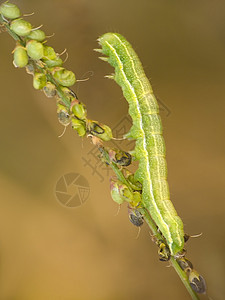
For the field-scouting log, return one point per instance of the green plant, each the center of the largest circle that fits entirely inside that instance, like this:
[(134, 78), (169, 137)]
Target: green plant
[(146, 191)]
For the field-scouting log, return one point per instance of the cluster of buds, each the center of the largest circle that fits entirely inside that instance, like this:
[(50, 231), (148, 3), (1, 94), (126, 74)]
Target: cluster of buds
[(46, 67)]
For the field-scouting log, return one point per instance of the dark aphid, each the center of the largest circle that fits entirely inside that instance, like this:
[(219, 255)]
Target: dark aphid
[(197, 282), (135, 217), (185, 264), (163, 251), (120, 157)]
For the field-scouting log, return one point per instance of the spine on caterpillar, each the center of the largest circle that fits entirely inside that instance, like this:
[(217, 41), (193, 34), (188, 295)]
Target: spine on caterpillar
[(147, 131)]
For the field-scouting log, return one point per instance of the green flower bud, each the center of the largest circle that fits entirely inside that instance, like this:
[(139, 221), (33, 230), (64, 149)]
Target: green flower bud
[(100, 130), (63, 115), (79, 126), (63, 76), (51, 63), (120, 192), (10, 11), (120, 157), (35, 50), (20, 57), (21, 27), (39, 81), (79, 110), (49, 90), (37, 35), (49, 53)]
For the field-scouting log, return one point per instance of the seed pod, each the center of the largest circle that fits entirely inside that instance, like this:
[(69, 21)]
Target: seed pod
[(20, 57), (120, 192), (197, 282), (135, 216), (37, 35), (78, 109), (39, 81), (49, 53), (68, 93), (35, 49), (63, 115), (30, 69), (100, 130), (163, 251), (51, 63), (79, 126), (63, 76), (136, 185), (9, 10), (185, 264), (120, 157), (49, 89), (21, 27)]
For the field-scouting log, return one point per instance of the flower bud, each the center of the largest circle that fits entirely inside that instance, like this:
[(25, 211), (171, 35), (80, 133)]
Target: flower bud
[(39, 81), (100, 130), (35, 49), (37, 35), (49, 89), (20, 57), (63, 76), (9, 10), (78, 109), (63, 115), (21, 27), (79, 126)]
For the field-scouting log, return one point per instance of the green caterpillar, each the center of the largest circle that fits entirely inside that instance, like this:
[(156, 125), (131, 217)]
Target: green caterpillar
[(147, 131)]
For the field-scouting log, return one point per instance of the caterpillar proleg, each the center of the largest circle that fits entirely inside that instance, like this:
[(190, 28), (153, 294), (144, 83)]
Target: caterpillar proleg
[(147, 131)]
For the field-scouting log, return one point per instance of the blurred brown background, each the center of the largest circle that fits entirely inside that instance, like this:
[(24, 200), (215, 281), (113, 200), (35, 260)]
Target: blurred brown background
[(50, 251)]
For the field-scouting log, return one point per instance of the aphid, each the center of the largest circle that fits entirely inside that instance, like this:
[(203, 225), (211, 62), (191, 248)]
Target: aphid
[(20, 57), (147, 131), (39, 81), (21, 27), (63, 76), (35, 50), (63, 115), (135, 216), (120, 157)]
